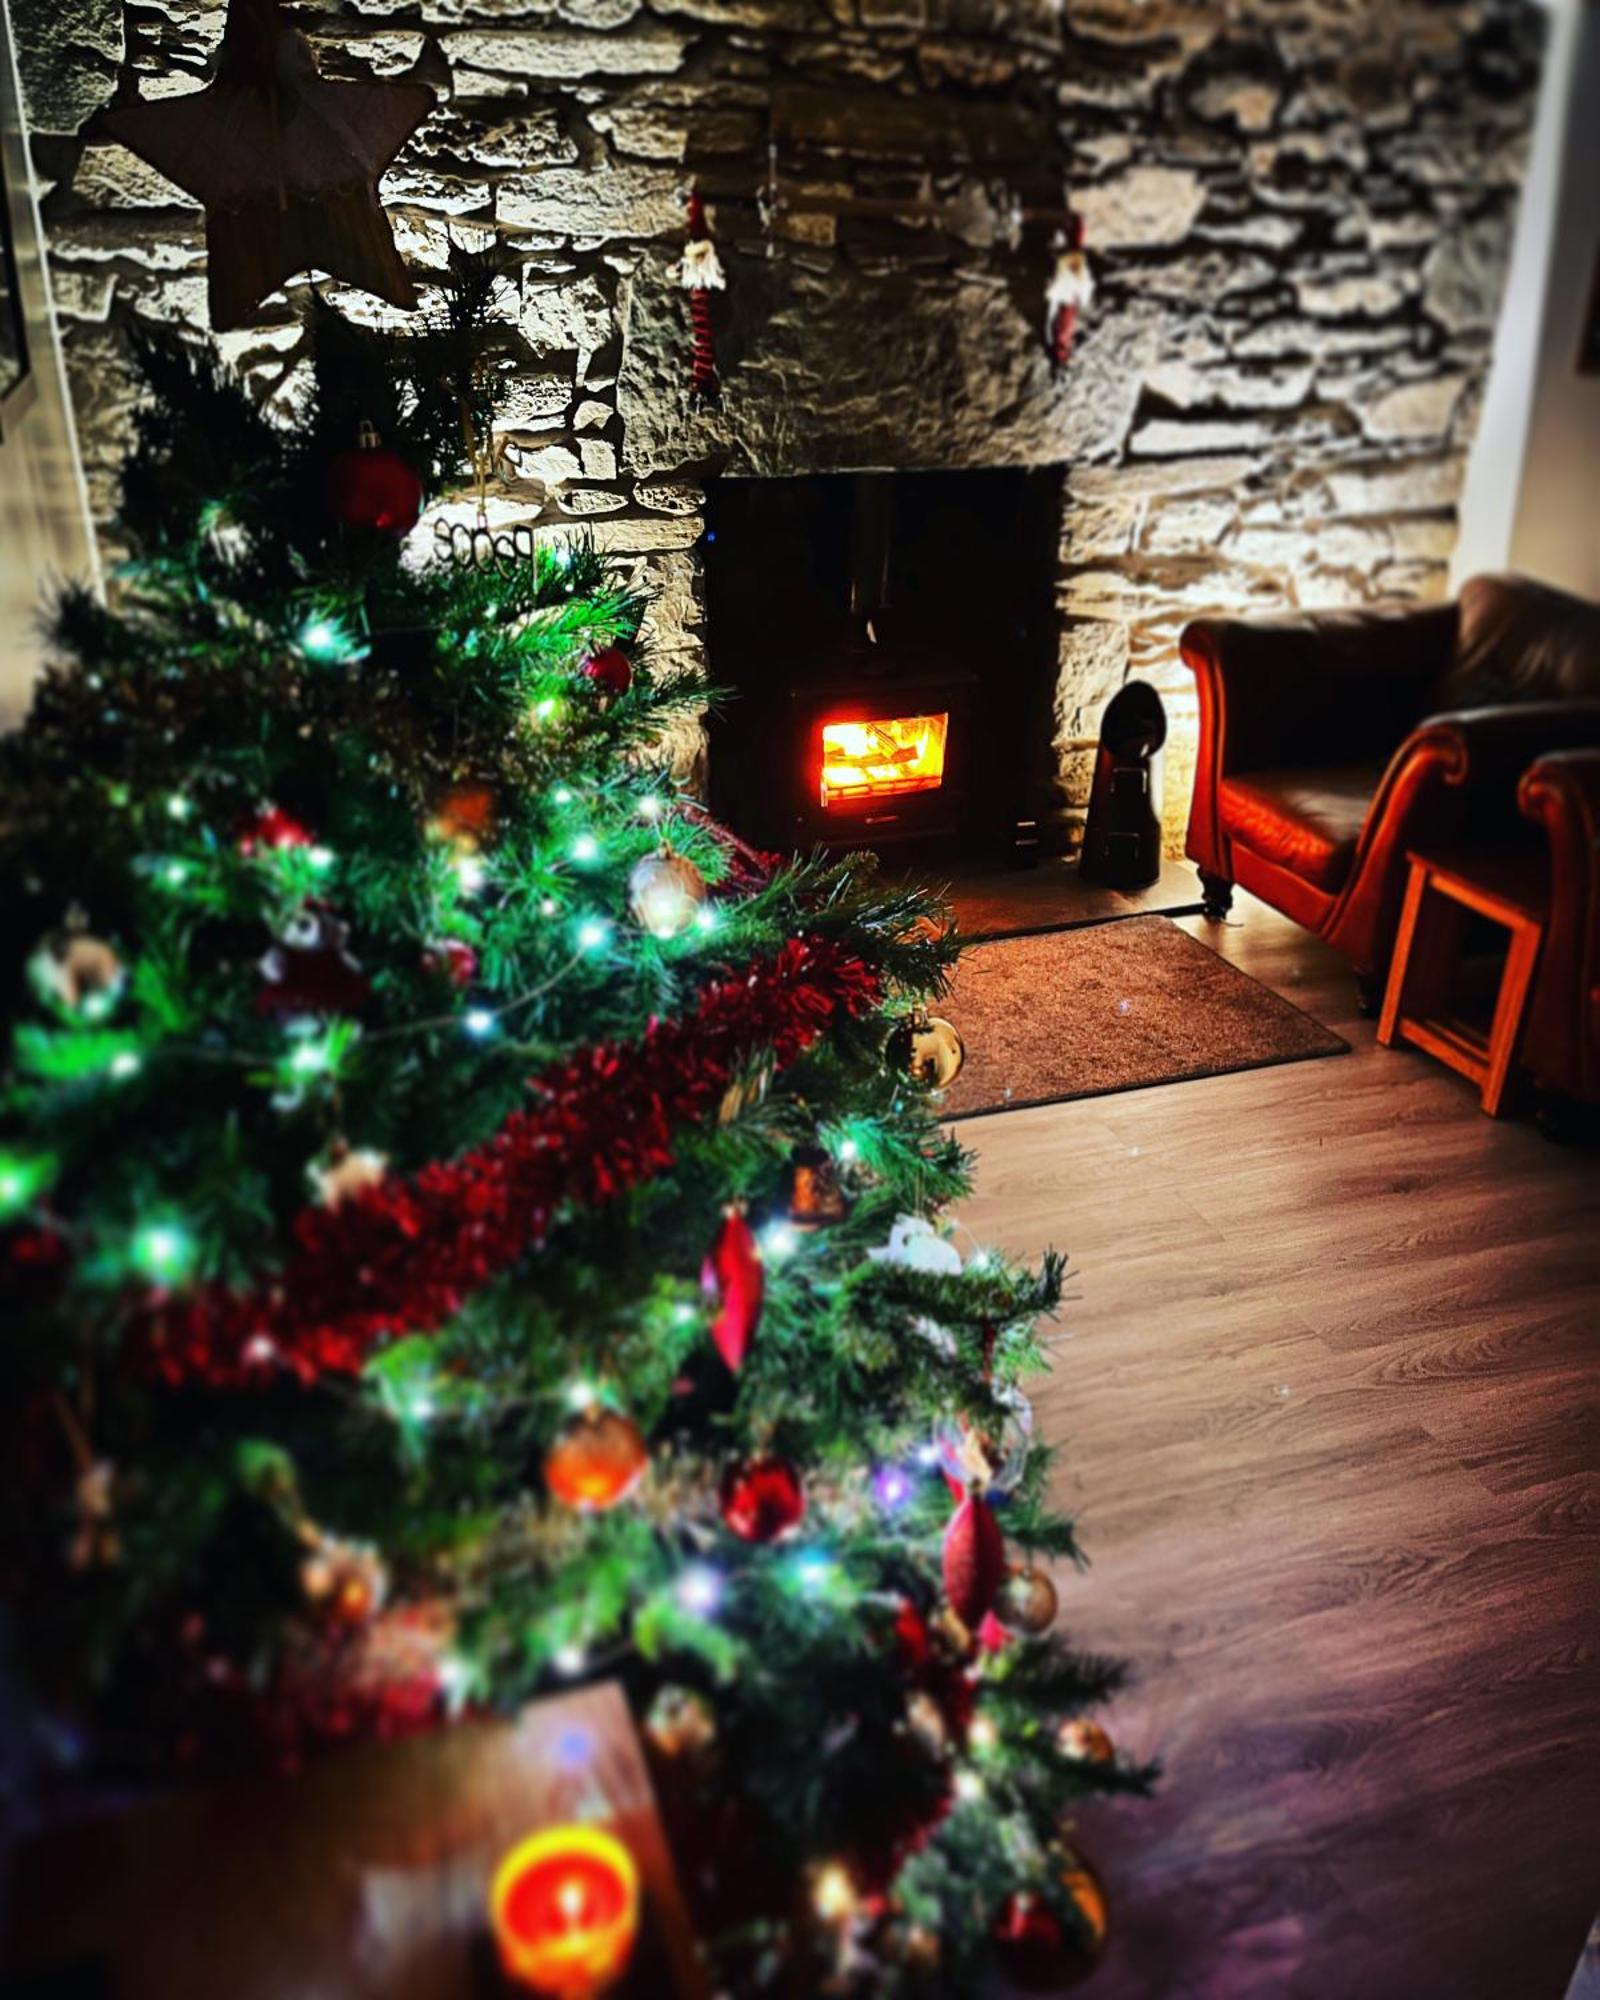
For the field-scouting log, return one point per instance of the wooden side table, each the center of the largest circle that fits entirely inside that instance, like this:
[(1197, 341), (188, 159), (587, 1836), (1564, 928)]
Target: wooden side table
[(1443, 892)]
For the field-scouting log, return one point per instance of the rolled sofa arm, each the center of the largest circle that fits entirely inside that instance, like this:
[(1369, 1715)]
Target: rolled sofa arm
[(1561, 1041), (1485, 751)]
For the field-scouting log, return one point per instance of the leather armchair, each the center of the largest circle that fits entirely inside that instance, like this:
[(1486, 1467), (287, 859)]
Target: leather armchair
[(1561, 1037), (1332, 743)]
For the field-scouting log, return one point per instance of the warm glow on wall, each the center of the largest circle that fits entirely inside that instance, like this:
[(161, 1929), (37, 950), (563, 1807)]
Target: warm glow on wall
[(883, 758)]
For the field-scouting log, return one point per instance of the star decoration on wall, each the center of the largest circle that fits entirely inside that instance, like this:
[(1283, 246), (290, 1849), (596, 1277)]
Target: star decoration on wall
[(285, 163)]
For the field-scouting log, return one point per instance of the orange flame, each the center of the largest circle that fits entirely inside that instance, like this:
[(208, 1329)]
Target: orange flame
[(883, 758)]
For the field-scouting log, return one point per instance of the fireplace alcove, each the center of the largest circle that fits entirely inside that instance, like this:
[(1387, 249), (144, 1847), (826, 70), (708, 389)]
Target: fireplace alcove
[(887, 644)]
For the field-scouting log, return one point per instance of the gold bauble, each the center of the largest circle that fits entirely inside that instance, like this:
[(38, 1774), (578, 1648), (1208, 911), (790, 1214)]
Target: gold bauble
[(665, 893), (598, 1460), (1027, 1601), (930, 1049), (1085, 1741), (80, 973), (681, 1722)]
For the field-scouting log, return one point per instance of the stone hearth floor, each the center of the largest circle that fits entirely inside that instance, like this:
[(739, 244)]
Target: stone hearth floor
[(1001, 902)]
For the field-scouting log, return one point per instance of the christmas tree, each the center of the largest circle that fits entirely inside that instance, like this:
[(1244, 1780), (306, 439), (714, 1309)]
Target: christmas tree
[(470, 1224)]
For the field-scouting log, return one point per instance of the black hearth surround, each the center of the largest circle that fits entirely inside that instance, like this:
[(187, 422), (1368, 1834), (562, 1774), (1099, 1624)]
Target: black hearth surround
[(857, 596)]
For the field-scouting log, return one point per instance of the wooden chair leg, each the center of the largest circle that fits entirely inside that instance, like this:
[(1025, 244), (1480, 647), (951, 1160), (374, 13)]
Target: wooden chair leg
[(1394, 995), (1506, 1032)]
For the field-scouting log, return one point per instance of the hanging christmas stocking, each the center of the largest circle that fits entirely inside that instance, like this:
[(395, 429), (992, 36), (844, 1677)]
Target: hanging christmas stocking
[(701, 274), (1069, 293)]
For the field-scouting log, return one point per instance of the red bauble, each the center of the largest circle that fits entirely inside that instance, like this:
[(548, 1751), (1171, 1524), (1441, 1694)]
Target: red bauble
[(271, 827), (1038, 1952), (733, 1276), (761, 1499), (454, 959), (1029, 1939), (374, 488), (911, 1636), (611, 668), (974, 1559)]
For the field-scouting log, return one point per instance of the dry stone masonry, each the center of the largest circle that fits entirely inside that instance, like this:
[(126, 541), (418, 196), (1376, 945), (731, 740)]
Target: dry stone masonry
[(1298, 212)]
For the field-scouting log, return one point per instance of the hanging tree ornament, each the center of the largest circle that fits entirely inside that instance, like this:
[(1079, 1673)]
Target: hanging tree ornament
[(666, 892), (285, 163), (371, 487), (816, 1198), (1027, 1601), (452, 959), (344, 1582), (701, 274), (80, 974), (346, 1172), (746, 1092), (310, 970), (610, 669), (734, 1278), (681, 1722), (1040, 1952), (928, 1048), (270, 830), (973, 1559), (992, 1456), (1069, 293), (761, 1499), (1085, 1741), (463, 817), (597, 1460)]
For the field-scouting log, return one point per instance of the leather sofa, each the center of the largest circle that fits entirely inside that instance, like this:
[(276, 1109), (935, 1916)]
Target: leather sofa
[(1331, 743), (1561, 1036)]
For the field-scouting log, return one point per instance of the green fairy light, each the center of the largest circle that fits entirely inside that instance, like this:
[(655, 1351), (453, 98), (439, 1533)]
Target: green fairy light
[(23, 1178), (326, 641), (163, 1251)]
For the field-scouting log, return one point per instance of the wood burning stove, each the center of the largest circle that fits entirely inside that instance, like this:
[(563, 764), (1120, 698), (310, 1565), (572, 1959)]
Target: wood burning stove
[(881, 759), (851, 614)]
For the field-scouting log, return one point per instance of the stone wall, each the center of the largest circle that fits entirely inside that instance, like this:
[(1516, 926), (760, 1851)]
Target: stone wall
[(1298, 212)]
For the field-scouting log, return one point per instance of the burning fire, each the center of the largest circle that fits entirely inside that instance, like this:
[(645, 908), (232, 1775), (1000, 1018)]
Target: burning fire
[(882, 759)]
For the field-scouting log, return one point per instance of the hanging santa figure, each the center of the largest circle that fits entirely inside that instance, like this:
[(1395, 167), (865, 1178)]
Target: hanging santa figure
[(1069, 293), (701, 274)]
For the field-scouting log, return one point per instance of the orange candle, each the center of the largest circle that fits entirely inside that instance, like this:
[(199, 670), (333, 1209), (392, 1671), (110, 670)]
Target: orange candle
[(565, 1910)]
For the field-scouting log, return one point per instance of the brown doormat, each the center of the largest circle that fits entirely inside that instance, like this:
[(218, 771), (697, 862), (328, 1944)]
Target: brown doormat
[(1117, 1006)]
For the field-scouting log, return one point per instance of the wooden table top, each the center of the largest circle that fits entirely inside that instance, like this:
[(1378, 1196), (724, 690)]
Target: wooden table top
[(366, 1874), (1501, 882)]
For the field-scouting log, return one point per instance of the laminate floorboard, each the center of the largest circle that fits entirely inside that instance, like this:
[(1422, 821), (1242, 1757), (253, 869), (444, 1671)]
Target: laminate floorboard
[(1328, 1400)]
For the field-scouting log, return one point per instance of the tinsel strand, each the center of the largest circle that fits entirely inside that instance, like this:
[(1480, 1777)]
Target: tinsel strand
[(404, 1256)]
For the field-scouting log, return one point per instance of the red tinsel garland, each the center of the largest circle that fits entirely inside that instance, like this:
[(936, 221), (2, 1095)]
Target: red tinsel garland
[(403, 1256)]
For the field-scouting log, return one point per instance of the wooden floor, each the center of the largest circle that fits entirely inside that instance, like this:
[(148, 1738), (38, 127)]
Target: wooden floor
[(1330, 1417)]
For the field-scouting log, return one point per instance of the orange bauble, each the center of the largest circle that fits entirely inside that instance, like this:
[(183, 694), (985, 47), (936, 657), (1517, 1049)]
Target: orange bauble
[(1085, 1742), (464, 817), (598, 1459)]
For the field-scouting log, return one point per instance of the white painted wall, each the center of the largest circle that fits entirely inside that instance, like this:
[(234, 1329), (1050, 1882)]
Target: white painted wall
[(44, 517), (1532, 495)]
